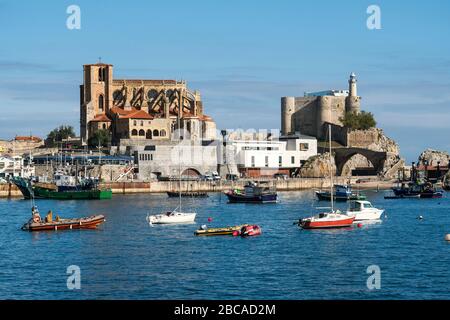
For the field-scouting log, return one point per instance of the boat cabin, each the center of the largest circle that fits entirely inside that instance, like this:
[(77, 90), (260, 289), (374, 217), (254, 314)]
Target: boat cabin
[(360, 205)]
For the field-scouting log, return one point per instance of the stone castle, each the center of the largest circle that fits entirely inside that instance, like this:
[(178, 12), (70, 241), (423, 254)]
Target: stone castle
[(309, 114), (137, 111)]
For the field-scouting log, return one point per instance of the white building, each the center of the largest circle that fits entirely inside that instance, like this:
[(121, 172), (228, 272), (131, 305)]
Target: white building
[(14, 166), (165, 159), (266, 158)]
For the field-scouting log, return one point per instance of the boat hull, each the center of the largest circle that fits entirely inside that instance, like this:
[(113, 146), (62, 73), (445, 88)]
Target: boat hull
[(219, 231), (174, 194), (327, 221), (263, 198), (72, 195), (364, 216), (325, 196), (66, 224), (171, 219)]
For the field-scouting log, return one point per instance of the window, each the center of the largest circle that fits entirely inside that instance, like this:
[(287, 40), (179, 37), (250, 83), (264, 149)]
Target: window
[(101, 102), (142, 123), (134, 132), (280, 161), (155, 133), (292, 160), (148, 134), (162, 133), (253, 161), (304, 146), (267, 161), (104, 126), (141, 133), (134, 123), (101, 74)]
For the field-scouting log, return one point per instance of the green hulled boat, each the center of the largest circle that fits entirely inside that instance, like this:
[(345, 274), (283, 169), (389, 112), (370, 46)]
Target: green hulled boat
[(38, 192)]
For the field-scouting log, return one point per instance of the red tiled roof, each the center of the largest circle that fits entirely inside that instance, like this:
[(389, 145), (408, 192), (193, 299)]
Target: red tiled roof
[(28, 138), (120, 111), (138, 114), (101, 118)]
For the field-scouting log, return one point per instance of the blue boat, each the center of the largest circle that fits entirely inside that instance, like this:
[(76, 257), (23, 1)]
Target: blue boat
[(341, 193), (252, 193)]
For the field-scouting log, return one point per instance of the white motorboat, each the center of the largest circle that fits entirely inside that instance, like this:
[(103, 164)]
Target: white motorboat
[(173, 217), (363, 210)]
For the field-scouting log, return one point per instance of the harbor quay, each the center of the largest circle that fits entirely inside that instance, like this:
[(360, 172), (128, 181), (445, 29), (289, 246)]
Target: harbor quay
[(9, 190)]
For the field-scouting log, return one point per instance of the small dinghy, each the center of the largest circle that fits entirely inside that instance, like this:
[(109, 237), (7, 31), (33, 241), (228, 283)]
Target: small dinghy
[(205, 231), (250, 231), (48, 224)]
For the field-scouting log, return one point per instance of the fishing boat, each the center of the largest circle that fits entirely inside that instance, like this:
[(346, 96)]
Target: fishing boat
[(30, 190), (48, 224), (253, 193), (192, 194), (417, 189), (330, 219), (342, 193), (363, 210), (205, 231)]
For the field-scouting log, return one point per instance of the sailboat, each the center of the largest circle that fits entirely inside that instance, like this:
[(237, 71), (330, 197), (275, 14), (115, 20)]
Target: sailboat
[(331, 219), (176, 216)]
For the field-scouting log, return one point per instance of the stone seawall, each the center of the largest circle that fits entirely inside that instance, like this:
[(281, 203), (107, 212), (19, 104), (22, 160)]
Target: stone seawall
[(7, 190)]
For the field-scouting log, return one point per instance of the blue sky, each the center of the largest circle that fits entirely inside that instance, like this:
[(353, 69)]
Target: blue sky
[(242, 56)]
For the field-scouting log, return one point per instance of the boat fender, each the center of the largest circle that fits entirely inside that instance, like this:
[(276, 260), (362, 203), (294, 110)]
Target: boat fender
[(236, 233), (447, 237)]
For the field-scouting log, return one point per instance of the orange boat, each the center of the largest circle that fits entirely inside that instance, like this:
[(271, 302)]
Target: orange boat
[(36, 224)]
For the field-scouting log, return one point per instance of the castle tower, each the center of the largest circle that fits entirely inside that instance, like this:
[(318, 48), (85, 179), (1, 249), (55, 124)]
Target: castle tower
[(95, 94), (352, 103), (324, 115), (287, 112)]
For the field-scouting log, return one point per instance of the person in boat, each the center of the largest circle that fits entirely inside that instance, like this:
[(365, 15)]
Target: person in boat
[(49, 216), (35, 216)]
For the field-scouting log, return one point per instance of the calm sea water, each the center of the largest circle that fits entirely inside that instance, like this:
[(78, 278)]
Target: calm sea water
[(128, 259)]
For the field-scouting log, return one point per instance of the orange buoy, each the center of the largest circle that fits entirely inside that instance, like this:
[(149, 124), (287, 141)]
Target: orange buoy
[(360, 225), (209, 219)]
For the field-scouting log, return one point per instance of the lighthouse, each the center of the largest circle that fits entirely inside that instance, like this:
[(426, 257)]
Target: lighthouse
[(352, 85), (352, 102)]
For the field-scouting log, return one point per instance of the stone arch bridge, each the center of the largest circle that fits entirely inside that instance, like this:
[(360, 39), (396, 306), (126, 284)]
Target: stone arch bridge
[(342, 155)]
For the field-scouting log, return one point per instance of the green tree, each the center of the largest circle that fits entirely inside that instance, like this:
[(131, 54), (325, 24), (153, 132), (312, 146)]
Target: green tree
[(100, 137), (358, 121), (58, 134)]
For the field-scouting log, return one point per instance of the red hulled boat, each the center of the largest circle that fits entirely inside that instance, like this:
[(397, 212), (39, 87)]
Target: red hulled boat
[(48, 224), (327, 220)]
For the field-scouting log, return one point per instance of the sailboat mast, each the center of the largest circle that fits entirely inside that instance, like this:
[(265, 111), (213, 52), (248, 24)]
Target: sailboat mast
[(179, 151), (331, 173)]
